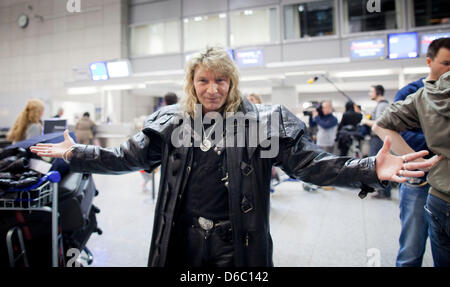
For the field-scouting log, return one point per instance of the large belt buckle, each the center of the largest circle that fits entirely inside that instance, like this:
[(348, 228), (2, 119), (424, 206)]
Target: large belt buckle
[(414, 181), (205, 223)]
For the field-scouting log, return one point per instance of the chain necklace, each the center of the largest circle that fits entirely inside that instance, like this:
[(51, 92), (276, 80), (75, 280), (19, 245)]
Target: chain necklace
[(206, 143)]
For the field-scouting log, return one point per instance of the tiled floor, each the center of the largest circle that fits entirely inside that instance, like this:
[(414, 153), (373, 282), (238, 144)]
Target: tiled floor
[(322, 228)]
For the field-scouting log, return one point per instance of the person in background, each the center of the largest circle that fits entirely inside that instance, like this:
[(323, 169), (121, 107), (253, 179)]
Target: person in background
[(170, 99), (376, 94), (413, 193), (352, 115), (28, 124), (327, 125), (60, 113), (428, 109), (348, 125), (84, 130), (254, 98), (412, 196), (148, 175)]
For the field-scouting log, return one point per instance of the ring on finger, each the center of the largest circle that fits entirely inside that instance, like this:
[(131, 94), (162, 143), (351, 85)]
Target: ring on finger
[(404, 166), (404, 159)]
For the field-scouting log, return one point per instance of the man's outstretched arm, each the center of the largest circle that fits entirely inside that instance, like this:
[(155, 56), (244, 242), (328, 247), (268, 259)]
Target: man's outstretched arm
[(398, 144)]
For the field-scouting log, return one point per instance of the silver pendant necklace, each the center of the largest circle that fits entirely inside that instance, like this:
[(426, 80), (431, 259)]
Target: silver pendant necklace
[(206, 144)]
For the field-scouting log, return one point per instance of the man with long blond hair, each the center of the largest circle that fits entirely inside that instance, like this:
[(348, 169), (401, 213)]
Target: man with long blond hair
[(28, 123), (214, 195)]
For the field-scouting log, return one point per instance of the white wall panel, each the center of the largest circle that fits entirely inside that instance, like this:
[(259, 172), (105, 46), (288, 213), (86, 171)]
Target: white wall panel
[(241, 4), (202, 7), (37, 60), (311, 50), (153, 12), (168, 62)]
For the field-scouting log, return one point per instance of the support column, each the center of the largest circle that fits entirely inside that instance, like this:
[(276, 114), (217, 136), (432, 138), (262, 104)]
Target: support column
[(401, 79), (111, 106)]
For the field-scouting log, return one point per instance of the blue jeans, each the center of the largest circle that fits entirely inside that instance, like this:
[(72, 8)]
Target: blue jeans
[(414, 233), (438, 216)]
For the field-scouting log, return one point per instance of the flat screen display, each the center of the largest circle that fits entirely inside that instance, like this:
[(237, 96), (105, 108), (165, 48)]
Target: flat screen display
[(402, 45), (249, 58), (54, 125), (370, 48), (118, 69), (98, 71), (426, 39)]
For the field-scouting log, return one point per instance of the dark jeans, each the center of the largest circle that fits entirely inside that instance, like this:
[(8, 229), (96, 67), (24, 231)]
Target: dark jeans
[(375, 145), (193, 246), (438, 216)]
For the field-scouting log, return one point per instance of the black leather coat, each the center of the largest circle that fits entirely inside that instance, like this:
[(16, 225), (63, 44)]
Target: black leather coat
[(249, 176)]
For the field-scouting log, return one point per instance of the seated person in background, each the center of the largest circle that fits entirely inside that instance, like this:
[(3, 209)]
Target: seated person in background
[(28, 123), (347, 126)]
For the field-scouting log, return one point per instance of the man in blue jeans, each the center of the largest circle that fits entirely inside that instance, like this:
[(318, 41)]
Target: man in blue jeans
[(429, 109), (412, 197)]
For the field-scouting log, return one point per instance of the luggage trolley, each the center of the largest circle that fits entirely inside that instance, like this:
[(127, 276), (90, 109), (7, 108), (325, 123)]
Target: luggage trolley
[(36, 197)]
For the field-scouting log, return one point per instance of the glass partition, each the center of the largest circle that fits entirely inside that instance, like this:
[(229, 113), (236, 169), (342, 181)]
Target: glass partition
[(155, 39), (309, 19), (254, 26), (358, 17)]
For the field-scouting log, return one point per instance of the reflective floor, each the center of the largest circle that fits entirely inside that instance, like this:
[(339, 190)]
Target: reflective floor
[(318, 228)]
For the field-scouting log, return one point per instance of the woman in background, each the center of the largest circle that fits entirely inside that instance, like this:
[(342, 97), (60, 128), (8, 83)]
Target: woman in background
[(28, 124), (84, 130)]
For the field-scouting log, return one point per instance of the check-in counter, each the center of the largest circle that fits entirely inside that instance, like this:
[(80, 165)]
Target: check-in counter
[(111, 135), (3, 141)]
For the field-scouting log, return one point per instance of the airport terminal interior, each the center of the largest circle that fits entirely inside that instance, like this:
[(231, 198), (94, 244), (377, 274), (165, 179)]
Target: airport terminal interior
[(116, 59)]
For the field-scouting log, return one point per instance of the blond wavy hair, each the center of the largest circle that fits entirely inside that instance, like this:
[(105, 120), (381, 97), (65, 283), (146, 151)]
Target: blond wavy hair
[(256, 97), (29, 115), (214, 59)]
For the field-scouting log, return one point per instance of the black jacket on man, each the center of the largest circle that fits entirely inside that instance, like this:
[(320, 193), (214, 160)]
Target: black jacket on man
[(248, 175)]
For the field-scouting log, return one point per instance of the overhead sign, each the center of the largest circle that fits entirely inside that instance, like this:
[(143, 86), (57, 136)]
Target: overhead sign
[(402, 45), (249, 58), (426, 39), (118, 69), (98, 71)]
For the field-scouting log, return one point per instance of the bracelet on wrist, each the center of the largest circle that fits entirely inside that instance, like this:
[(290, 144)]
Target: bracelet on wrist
[(64, 155)]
